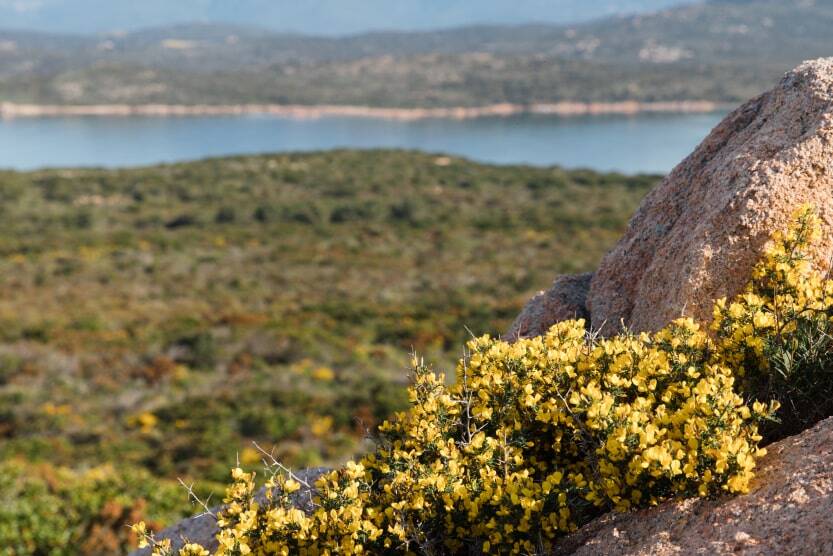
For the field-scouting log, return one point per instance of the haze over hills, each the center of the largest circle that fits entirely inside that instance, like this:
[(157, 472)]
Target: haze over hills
[(722, 51), (311, 16)]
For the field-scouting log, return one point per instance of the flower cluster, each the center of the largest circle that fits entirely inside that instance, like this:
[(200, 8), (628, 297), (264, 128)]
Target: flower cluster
[(532, 440), (778, 334), (536, 437)]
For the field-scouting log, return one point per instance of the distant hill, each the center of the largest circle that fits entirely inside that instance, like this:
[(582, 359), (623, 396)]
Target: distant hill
[(309, 16), (723, 50)]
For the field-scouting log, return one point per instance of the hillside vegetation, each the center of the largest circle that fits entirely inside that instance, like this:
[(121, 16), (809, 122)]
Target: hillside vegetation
[(724, 51), (161, 319)]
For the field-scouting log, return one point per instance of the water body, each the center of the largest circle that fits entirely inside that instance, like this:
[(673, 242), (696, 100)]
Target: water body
[(631, 144)]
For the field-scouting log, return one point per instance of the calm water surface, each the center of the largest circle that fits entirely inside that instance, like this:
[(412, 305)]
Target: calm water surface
[(643, 143)]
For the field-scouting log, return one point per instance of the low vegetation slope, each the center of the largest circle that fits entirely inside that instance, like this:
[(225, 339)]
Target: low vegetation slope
[(161, 319)]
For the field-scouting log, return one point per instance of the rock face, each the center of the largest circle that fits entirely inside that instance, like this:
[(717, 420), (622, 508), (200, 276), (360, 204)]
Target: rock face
[(202, 529), (789, 510), (566, 299), (697, 234)]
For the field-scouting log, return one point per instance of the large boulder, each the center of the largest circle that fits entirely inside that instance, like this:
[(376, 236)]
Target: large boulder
[(789, 510), (566, 299), (697, 235)]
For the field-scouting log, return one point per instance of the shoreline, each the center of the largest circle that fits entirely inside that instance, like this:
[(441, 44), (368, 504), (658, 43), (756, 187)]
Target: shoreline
[(10, 110)]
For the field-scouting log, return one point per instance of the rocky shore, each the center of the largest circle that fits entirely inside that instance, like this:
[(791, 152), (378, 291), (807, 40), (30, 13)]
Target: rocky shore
[(15, 110)]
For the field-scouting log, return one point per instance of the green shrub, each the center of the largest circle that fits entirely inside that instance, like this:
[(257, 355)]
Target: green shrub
[(225, 215), (57, 511)]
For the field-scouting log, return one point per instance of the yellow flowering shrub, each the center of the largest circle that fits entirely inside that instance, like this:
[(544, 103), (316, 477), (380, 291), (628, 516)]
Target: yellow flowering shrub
[(778, 334), (535, 438)]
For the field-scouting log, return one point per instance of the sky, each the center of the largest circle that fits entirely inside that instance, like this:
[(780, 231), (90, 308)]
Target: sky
[(316, 17)]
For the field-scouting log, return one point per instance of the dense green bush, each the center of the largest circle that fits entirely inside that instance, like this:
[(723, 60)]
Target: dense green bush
[(57, 511)]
